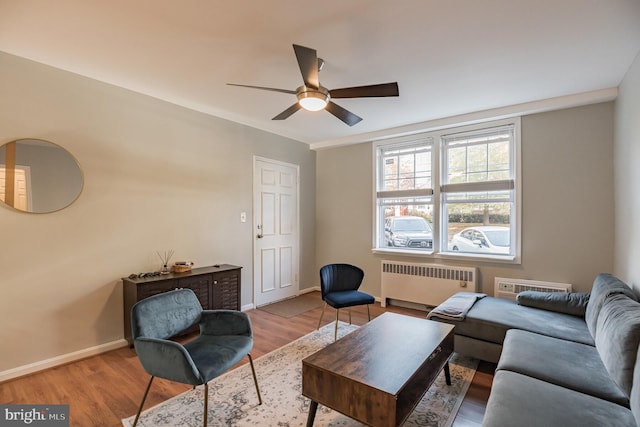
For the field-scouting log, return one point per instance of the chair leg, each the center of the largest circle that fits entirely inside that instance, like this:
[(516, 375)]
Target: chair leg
[(255, 379), (335, 333), (368, 313), (321, 315), (349, 315), (206, 404), (143, 399)]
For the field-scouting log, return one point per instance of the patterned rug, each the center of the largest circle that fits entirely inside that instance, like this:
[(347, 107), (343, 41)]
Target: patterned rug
[(233, 400)]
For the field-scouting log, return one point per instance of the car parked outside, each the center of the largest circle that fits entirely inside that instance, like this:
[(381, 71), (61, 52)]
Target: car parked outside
[(490, 239), (412, 232)]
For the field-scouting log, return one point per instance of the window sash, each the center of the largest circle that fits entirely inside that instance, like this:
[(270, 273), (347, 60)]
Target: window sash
[(478, 138), (413, 147)]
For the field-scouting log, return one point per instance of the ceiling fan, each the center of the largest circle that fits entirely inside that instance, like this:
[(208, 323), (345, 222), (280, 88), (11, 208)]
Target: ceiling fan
[(312, 96)]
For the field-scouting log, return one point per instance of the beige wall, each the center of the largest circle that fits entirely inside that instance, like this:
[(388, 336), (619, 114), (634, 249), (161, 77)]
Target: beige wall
[(157, 177), (627, 178), (344, 214), (567, 174)]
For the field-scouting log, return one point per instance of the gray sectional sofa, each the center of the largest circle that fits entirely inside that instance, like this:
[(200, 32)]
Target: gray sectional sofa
[(562, 360)]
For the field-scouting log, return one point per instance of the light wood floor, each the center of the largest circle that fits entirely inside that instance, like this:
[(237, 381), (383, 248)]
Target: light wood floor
[(101, 390)]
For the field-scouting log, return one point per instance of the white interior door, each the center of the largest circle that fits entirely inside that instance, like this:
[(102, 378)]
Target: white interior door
[(21, 190), (276, 231)]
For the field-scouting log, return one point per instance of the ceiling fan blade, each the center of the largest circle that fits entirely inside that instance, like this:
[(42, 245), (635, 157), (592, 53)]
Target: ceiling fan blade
[(345, 115), (383, 89), (272, 89), (288, 112), (308, 63)]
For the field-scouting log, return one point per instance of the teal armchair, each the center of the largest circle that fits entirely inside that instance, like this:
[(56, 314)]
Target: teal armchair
[(225, 338)]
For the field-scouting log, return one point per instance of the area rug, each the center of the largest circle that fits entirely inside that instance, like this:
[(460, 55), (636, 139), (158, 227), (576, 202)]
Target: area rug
[(294, 306), (233, 400)]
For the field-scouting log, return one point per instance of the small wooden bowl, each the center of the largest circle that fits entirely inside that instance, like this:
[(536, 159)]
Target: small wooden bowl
[(182, 267)]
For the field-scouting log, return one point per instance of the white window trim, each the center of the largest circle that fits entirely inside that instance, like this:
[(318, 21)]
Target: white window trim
[(436, 179)]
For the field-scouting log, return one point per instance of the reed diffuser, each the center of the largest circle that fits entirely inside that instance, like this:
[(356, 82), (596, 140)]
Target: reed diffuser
[(165, 261)]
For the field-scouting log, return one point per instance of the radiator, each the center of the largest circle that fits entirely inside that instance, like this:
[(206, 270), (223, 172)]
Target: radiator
[(428, 284), (509, 288)]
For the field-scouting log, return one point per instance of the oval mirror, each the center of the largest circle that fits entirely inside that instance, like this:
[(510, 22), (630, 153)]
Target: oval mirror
[(38, 176)]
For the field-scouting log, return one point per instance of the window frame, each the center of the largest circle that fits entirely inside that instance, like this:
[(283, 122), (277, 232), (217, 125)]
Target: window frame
[(438, 181)]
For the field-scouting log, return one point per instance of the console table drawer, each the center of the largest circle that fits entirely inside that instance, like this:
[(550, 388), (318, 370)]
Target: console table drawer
[(152, 289)]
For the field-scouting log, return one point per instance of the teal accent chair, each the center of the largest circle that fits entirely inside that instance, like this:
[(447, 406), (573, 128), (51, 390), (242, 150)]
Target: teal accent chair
[(339, 285), (225, 338)]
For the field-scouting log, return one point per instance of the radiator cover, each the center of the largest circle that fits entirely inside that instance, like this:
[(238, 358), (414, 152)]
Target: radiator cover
[(428, 284), (510, 288)]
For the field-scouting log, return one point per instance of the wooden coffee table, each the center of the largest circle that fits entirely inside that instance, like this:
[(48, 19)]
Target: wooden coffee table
[(378, 373)]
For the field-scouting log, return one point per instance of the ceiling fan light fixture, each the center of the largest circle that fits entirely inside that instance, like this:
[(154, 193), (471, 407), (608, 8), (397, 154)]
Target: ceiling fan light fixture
[(312, 99), (312, 96)]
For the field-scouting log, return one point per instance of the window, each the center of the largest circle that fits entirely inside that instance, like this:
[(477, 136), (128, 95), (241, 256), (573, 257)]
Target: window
[(450, 193), (405, 195)]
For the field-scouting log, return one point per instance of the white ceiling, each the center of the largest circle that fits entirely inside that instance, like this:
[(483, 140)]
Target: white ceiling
[(449, 57)]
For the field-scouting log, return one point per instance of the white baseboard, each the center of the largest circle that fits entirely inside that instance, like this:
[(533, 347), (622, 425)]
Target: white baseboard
[(60, 360), (300, 292)]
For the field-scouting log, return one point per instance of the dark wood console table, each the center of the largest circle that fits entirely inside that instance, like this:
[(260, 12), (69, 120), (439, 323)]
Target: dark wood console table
[(217, 287)]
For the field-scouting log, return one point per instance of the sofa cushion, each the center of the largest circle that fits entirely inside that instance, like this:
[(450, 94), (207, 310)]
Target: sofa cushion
[(490, 318), (517, 400), (604, 285), (635, 390), (564, 363), (574, 303), (618, 337)]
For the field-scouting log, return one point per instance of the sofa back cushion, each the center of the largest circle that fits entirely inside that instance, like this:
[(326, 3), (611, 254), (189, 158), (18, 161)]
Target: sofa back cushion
[(574, 303), (618, 337), (604, 285)]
